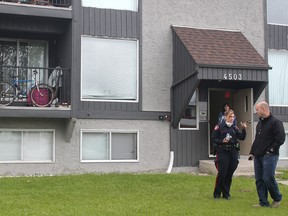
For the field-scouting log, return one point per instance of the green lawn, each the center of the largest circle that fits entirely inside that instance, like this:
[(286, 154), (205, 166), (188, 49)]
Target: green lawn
[(130, 194)]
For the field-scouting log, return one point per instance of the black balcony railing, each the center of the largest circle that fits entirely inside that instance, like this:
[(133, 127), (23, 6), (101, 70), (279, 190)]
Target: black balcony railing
[(24, 78), (56, 3)]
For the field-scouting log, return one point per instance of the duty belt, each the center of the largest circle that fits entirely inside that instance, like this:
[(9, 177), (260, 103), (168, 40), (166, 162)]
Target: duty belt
[(229, 147)]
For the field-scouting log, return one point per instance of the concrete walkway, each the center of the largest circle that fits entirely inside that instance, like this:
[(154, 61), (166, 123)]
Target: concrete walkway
[(283, 182), (245, 167)]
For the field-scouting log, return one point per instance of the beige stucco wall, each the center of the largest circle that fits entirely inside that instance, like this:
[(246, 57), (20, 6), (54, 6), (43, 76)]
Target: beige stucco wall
[(157, 18), (154, 147)]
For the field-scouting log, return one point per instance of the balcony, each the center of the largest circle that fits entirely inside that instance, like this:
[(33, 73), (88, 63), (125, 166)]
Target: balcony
[(52, 3), (23, 79), (61, 9)]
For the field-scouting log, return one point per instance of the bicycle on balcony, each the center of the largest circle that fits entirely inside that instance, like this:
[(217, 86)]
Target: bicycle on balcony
[(37, 94)]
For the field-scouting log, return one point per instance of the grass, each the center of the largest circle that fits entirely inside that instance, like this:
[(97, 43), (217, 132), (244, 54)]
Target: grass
[(130, 194)]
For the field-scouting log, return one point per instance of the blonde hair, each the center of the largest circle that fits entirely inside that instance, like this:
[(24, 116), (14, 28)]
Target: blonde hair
[(228, 113)]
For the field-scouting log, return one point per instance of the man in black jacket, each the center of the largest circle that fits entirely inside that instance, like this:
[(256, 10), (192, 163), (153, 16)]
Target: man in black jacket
[(270, 135)]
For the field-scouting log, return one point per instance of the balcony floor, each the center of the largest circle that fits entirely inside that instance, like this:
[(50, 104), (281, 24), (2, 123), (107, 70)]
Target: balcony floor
[(63, 112)]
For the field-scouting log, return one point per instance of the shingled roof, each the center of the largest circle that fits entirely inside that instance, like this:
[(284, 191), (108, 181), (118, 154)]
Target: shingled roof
[(220, 48)]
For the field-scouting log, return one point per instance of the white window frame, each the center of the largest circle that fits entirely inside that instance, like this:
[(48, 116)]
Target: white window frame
[(101, 4), (137, 72), (32, 130), (110, 143), (197, 115)]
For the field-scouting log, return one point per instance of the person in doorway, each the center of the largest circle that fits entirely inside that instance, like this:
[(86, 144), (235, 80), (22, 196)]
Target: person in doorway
[(270, 135), (225, 135), (221, 116)]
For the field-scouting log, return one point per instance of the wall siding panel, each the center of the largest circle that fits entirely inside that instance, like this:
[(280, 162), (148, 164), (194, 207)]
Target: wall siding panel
[(277, 36), (187, 146), (28, 24), (108, 23)]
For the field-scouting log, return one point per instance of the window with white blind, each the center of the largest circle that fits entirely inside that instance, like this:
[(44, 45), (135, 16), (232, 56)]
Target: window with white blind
[(277, 12), (131, 5), (115, 146), (31, 146), (109, 69), (283, 151), (278, 77)]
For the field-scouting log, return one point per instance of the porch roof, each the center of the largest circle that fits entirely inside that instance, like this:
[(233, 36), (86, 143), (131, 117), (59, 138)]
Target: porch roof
[(205, 55), (220, 48)]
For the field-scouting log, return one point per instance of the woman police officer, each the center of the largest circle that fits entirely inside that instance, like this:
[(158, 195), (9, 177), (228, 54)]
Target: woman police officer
[(225, 136)]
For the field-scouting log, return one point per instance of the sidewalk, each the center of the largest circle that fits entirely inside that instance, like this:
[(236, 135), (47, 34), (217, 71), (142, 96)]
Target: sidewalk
[(283, 182)]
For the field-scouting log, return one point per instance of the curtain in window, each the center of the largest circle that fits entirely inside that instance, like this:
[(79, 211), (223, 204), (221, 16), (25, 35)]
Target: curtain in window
[(10, 145), (37, 146), (95, 146), (26, 145), (24, 54), (109, 69), (109, 146), (124, 146), (8, 57), (112, 4), (32, 54), (278, 77)]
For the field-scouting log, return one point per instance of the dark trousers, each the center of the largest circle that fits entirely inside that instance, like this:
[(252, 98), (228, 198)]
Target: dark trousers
[(264, 168), (226, 163)]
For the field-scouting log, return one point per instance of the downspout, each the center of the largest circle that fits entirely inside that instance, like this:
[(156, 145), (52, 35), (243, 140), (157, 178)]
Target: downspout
[(170, 162)]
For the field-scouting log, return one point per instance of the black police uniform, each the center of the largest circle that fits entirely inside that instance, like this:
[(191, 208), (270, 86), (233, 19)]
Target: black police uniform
[(226, 160)]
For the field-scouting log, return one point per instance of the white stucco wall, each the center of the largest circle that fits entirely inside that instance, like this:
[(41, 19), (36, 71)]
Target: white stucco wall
[(154, 146), (157, 18)]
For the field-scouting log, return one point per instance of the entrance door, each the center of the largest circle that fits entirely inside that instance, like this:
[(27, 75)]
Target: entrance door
[(243, 108), (241, 101)]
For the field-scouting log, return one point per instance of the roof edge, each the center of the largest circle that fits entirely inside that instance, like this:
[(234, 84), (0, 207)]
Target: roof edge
[(235, 66), (205, 28)]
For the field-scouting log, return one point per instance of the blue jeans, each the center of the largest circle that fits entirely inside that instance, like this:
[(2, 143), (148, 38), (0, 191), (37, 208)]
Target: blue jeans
[(265, 168)]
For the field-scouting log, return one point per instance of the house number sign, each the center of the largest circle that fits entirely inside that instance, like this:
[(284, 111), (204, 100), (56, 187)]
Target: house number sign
[(230, 76)]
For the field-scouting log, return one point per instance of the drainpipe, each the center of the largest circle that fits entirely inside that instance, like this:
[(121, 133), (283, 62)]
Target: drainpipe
[(170, 166), (171, 162)]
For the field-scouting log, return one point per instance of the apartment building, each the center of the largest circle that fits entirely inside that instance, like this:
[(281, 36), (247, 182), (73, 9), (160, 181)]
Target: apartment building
[(142, 81)]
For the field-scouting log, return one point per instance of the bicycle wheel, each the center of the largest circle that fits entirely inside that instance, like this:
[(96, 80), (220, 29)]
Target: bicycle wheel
[(7, 94), (42, 95)]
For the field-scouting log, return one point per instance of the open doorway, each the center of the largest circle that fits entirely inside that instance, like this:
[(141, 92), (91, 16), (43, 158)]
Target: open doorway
[(241, 101)]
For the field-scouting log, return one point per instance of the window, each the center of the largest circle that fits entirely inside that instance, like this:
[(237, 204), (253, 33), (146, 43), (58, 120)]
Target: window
[(278, 77), (277, 11), (131, 5), (283, 151), (26, 146), (190, 119), (118, 146), (22, 53), (109, 69)]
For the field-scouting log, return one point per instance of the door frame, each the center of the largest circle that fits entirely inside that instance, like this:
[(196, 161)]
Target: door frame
[(242, 99)]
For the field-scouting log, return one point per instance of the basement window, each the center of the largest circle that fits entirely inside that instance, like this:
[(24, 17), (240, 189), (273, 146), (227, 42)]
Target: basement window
[(109, 146), (27, 146)]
